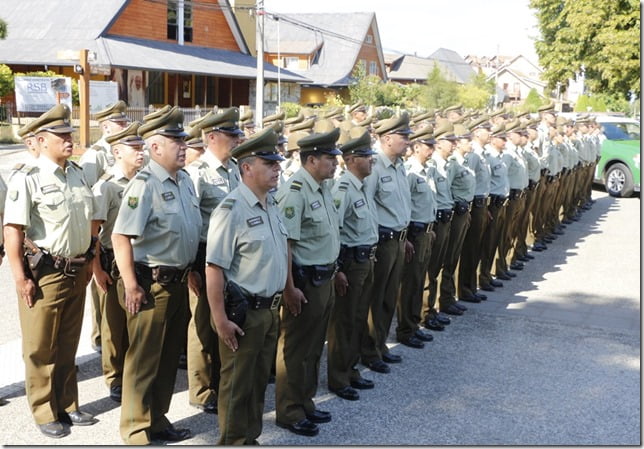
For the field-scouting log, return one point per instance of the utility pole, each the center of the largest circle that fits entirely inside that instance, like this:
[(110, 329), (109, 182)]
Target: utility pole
[(83, 86), (259, 40)]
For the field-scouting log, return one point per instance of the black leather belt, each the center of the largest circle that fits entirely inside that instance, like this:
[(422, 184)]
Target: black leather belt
[(532, 184), (444, 215), (498, 200), (516, 193), (264, 302), (360, 253), (385, 234), (69, 265), (163, 274), (479, 200), (418, 227), (462, 207)]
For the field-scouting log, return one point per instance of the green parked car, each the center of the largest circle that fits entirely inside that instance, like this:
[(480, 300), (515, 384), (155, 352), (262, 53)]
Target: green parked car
[(619, 167)]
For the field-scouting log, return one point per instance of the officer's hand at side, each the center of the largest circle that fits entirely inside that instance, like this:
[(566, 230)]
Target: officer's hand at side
[(226, 331), (27, 290), (103, 280), (409, 251), (341, 283), (134, 297), (293, 299), (194, 282)]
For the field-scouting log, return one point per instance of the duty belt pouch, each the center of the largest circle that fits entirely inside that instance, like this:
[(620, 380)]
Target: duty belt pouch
[(319, 276), (362, 254), (164, 275), (299, 277), (235, 304), (479, 202), (114, 271), (461, 208)]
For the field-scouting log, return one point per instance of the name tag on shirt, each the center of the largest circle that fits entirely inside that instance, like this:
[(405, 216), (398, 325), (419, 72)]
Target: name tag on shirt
[(315, 205), (441, 179), (219, 182), (385, 179), (420, 181), (359, 203), (49, 189), (167, 196), (255, 221)]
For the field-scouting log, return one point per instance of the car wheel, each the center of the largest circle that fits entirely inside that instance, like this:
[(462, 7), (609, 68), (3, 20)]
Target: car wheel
[(619, 181)]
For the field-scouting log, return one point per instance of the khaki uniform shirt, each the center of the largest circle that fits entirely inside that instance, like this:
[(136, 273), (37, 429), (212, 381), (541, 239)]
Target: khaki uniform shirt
[(423, 191), (54, 205), (499, 183), (463, 179), (357, 212), (311, 220), (248, 242), (108, 192), (213, 182), (96, 160), (532, 163), (444, 198), (389, 187), (162, 217), (476, 160), (517, 169)]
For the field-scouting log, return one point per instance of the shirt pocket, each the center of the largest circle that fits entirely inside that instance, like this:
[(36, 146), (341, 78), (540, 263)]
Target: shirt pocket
[(386, 189), (54, 207)]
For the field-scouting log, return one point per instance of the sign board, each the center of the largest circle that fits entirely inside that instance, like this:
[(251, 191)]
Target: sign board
[(102, 94), (40, 94)]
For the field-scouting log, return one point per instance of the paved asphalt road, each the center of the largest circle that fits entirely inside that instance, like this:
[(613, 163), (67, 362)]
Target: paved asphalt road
[(552, 358)]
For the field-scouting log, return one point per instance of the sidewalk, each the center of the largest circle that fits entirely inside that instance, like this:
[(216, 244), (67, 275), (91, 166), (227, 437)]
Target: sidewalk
[(552, 358)]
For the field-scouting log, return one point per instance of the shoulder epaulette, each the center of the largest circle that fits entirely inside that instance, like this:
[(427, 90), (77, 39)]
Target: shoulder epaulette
[(343, 186), (142, 175), (106, 177), (74, 164), (296, 186), (24, 168), (228, 203)]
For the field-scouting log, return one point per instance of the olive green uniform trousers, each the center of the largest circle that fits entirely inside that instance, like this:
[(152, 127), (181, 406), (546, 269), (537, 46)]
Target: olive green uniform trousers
[(471, 251), (348, 324), (114, 336), (436, 259), (299, 349), (244, 377), (490, 242), (157, 334), (457, 232), (50, 334)]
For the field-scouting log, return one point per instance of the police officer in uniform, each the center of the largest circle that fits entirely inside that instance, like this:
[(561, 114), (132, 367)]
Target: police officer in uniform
[(421, 234), (312, 223), (358, 239), (49, 211), (127, 148), (28, 137), (155, 239), (247, 264), (215, 174), (389, 186)]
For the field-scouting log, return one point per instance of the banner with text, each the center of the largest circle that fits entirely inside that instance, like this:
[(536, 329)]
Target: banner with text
[(39, 94)]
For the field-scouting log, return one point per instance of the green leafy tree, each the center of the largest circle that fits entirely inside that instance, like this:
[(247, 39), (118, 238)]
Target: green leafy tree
[(6, 80), (439, 92), (597, 36), (364, 87), (532, 101), (3, 29), (291, 109)]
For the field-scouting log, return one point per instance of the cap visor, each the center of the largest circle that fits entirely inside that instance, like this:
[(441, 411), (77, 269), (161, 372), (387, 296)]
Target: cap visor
[(272, 157), (58, 130)]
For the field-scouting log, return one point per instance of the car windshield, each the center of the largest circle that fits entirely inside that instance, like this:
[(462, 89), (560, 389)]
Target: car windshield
[(622, 131)]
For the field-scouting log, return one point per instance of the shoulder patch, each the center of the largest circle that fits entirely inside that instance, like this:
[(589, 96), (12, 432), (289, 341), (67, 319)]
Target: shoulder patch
[(228, 203), (337, 202), (296, 186), (289, 212)]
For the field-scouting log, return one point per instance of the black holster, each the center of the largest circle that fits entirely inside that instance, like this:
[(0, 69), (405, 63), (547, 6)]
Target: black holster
[(235, 303)]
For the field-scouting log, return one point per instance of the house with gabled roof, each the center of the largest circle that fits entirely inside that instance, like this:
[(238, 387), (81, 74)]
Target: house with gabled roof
[(414, 69), (325, 48), (137, 43)]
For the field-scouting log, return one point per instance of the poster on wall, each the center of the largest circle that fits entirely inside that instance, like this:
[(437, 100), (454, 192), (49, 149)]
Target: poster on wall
[(102, 94), (39, 94), (135, 89), (119, 76)]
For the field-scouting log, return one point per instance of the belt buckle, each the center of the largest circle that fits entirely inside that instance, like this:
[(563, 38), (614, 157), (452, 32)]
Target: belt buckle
[(403, 235), (277, 298)]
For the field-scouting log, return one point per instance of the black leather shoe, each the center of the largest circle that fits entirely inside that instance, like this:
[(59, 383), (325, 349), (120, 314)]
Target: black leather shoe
[(496, 283), (558, 232), (461, 307), (452, 310), (481, 296), (3, 402), (487, 288), (443, 319), (77, 418), (529, 256), (423, 336), (434, 325), (115, 393), (538, 248), (511, 274), (503, 276), (362, 384), (347, 393), (303, 427), (319, 416), (391, 358), (472, 298), (53, 429), (379, 366), (516, 266), (208, 407), (523, 258), (172, 434), (412, 342), (566, 221)]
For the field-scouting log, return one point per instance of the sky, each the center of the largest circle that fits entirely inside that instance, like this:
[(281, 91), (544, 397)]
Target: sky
[(420, 27)]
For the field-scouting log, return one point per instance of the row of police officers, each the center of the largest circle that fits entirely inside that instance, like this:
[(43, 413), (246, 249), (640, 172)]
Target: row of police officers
[(251, 249)]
